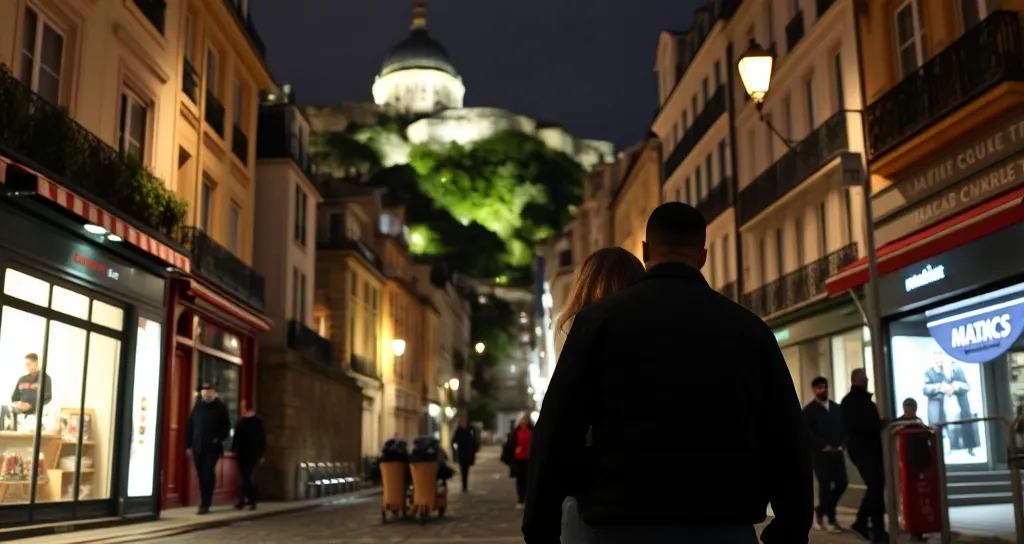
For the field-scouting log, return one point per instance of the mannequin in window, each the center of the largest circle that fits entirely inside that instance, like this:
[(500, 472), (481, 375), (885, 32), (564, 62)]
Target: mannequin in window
[(26, 391)]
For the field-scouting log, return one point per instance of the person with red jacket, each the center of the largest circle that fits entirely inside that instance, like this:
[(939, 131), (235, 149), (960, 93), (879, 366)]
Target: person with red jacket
[(520, 439)]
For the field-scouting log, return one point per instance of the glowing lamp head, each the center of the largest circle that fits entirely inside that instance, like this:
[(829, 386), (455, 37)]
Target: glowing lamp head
[(398, 347), (453, 384), (755, 67), (479, 347)]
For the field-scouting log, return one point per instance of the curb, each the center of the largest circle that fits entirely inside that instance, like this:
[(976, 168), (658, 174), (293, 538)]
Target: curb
[(218, 523)]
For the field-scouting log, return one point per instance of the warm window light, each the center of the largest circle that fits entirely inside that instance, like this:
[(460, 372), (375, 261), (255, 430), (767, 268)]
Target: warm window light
[(479, 347), (454, 384), (755, 67), (94, 229), (398, 347)]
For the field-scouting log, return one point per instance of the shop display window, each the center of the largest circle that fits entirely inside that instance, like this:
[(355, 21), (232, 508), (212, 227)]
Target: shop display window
[(226, 378), (145, 402), (62, 375)]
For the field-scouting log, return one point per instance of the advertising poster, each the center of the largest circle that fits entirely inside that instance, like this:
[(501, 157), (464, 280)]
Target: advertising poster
[(945, 390), (145, 400)]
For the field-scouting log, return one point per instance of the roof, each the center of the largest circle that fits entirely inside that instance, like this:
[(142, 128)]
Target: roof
[(418, 50)]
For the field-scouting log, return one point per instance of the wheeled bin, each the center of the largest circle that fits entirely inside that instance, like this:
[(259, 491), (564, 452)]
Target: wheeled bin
[(429, 495), (393, 485)]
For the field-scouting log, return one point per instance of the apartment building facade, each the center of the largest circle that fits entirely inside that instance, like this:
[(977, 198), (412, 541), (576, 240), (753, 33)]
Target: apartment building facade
[(637, 196), (944, 146)]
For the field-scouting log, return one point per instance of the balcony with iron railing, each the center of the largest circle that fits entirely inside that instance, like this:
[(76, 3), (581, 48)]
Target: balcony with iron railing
[(364, 366), (810, 155), (718, 199), (308, 343), (155, 11), (338, 240), (714, 109), (794, 30), (799, 286), (244, 19), (219, 265), (240, 144), (190, 81), (214, 113), (989, 54)]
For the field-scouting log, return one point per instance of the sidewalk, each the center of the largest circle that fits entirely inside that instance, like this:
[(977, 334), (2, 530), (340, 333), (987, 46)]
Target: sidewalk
[(184, 520)]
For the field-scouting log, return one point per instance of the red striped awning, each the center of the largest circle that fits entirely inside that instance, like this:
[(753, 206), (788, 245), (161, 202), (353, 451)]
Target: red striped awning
[(960, 230), (96, 215)]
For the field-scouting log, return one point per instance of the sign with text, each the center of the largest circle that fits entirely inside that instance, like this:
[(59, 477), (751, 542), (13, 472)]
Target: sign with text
[(994, 146), (979, 336), (973, 191), (926, 276)]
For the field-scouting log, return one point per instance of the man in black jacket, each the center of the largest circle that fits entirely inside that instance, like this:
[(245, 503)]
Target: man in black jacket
[(864, 442), (716, 393), (828, 440), (209, 425), (249, 444), (464, 443)]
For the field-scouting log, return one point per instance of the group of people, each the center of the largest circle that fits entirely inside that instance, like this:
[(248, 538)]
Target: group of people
[(209, 427)]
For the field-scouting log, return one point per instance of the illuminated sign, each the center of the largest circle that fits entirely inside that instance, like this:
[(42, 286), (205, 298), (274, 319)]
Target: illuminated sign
[(979, 336), (96, 267), (926, 276)]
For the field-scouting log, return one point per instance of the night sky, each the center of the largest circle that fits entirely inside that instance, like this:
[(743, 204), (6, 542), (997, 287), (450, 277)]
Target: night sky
[(587, 65)]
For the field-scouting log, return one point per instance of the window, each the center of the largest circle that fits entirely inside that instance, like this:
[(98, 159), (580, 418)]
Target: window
[(709, 168), (42, 56), (693, 106), (800, 241), (711, 264), (51, 351), (837, 67), (190, 36), (972, 12), (206, 198), (675, 135), (822, 232), (298, 296), (762, 270), (705, 88), (700, 185), (234, 227), (780, 254), (769, 138), (725, 258), (679, 194), (686, 120), (689, 191), (718, 74), (722, 162), (238, 97), (848, 204), (299, 228), (809, 92), (909, 37), (787, 110), (132, 135), (212, 67), (225, 375)]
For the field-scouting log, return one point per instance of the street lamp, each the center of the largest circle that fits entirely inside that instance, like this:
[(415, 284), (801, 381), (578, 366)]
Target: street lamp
[(479, 347), (755, 67), (398, 347), (453, 384)]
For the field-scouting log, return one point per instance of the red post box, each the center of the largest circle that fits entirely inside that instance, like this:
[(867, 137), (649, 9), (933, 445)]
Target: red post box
[(918, 477)]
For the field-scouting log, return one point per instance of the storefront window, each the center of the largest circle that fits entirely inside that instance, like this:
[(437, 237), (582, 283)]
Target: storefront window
[(145, 402), (850, 350), (957, 362), (48, 364), (225, 377)]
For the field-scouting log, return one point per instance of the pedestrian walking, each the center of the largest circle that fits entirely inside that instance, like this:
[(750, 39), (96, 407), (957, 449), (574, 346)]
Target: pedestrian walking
[(828, 439), (465, 445), (249, 444), (910, 415), (704, 479), (864, 442), (521, 440), (209, 425)]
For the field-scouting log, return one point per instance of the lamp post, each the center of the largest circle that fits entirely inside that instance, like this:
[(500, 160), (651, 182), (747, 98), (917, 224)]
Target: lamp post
[(755, 68)]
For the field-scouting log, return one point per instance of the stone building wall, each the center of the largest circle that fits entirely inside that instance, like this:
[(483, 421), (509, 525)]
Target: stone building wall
[(311, 412)]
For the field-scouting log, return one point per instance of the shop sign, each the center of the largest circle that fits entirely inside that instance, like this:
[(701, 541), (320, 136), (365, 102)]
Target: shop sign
[(952, 201), (96, 267), (979, 336), (926, 276), (967, 160)]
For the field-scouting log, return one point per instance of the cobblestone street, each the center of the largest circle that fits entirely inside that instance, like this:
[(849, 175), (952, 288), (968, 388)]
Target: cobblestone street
[(486, 515)]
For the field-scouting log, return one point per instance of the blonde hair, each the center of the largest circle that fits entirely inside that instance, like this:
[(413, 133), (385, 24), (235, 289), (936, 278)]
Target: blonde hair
[(604, 272)]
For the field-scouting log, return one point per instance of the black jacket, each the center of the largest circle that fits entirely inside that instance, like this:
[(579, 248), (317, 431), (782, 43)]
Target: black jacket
[(250, 439), (711, 387), (826, 426), (209, 425), (863, 428), (464, 443), (27, 390)]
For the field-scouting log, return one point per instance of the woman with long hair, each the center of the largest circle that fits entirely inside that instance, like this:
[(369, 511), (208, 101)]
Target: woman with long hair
[(603, 273)]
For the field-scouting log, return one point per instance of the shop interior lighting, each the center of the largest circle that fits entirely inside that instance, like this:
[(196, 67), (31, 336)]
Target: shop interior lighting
[(94, 229), (114, 238)]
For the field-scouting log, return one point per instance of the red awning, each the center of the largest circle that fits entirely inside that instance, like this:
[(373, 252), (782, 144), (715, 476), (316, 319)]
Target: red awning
[(954, 232)]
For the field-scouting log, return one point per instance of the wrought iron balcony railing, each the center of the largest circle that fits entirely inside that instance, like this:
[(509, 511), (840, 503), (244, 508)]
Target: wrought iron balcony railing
[(244, 19), (718, 199), (240, 144), (214, 113), (154, 10), (41, 135), (989, 54), (364, 366), (823, 6), (190, 81), (339, 241), (794, 30), (815, 151), (714, 109), (308, 343), (216, 263), (800, 285), (729, 290)]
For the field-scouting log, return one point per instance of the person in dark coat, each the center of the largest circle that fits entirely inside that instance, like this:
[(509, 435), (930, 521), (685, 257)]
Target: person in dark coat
[(713, 480), (864, 442), (465, 445), (209, 425), (249, 444), (828, 440), (508, 450)]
